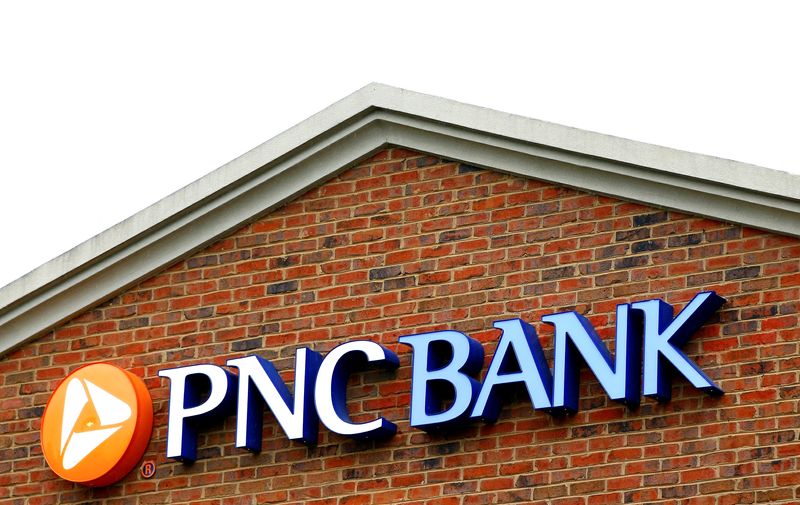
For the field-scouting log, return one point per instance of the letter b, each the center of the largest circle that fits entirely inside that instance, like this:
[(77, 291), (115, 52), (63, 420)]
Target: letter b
[(432, 373)]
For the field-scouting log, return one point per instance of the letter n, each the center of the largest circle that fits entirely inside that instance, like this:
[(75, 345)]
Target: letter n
[(574, 337)]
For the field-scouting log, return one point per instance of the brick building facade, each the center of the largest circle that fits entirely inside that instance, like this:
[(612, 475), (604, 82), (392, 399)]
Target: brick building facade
[(403, 242)]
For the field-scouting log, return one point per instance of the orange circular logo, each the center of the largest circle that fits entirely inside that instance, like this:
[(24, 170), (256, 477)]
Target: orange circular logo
[(97, 425)]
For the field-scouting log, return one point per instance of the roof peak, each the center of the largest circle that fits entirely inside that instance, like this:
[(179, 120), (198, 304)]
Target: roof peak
[(348, 130)]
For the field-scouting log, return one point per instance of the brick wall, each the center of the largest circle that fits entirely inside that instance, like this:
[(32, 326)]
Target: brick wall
[(407, 243)]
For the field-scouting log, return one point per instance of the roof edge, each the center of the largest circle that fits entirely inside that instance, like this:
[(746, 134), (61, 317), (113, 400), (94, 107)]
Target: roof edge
[(105, 242), (357, 125), (381, 96)]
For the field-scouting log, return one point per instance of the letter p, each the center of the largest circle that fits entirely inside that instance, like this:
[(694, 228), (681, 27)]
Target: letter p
[(186, 407)]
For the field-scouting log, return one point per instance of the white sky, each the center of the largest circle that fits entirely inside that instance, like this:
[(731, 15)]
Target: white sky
[(106, 107)]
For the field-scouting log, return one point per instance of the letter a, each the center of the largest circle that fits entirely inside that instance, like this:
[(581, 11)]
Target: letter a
[(525, 363)]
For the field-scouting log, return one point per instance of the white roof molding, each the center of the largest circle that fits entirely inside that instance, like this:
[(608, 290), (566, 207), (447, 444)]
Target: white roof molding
[(345, 133)]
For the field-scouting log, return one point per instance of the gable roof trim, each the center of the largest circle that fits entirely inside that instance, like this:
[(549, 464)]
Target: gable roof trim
[(353, 129)]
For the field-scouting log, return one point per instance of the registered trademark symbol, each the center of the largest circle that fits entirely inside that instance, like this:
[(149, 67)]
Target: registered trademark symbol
[(148, 468)]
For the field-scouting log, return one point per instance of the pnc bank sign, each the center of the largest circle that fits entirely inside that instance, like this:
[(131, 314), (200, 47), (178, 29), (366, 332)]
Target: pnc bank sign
[(444, 388)]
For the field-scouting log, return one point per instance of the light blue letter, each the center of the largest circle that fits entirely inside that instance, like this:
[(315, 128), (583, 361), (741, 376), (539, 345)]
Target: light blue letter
[(526, 364), (573, 335), (442, 358), (662, 338)]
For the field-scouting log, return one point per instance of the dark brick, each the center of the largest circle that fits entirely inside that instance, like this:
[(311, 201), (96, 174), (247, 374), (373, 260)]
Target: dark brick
[(449, 236), (460, 487), (431, 463), (611, 251), (525, 481), (247, 345), (307, 296), (542, 235), (612, 278), (724, 234), (558, 273), (660, 479), (181, 354), (756, 453), (202, 261), (740, 327), (17, 453), (307, 466), (386, 219), (790, 308), (736, 471), (288, 261), (426, 161), (282, 287), (399, 283), (648, 219), (587, 431), (758, 312), (31, 412), (85, 343), (594, 268), (518, 496), (463, 168), (136, 322), (354, 473), (385, 272), (647, 245), (443, 449), (198, 313), (233, 256), (335, 241), (635, 234), (705, 278), (408, 453), (685, 240), (758, 368), (539, 209), (317, 257), (269, 328), (679, 491), (209, 452), (630, 262), (631, 497), (742, 273), (622, 427)]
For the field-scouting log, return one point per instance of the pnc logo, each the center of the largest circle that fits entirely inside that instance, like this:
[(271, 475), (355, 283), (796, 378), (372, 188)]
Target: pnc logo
[(97, 425)]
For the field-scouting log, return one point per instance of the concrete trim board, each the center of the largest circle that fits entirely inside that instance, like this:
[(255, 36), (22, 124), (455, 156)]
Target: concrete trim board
[(351, 130)]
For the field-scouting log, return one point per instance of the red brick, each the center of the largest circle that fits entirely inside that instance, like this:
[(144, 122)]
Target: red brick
[(471, 247)]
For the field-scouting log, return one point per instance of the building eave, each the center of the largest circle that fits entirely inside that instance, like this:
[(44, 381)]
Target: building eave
[(352, 129)]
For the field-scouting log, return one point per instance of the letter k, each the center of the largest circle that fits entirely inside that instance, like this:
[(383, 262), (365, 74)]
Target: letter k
[(663, 337)]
